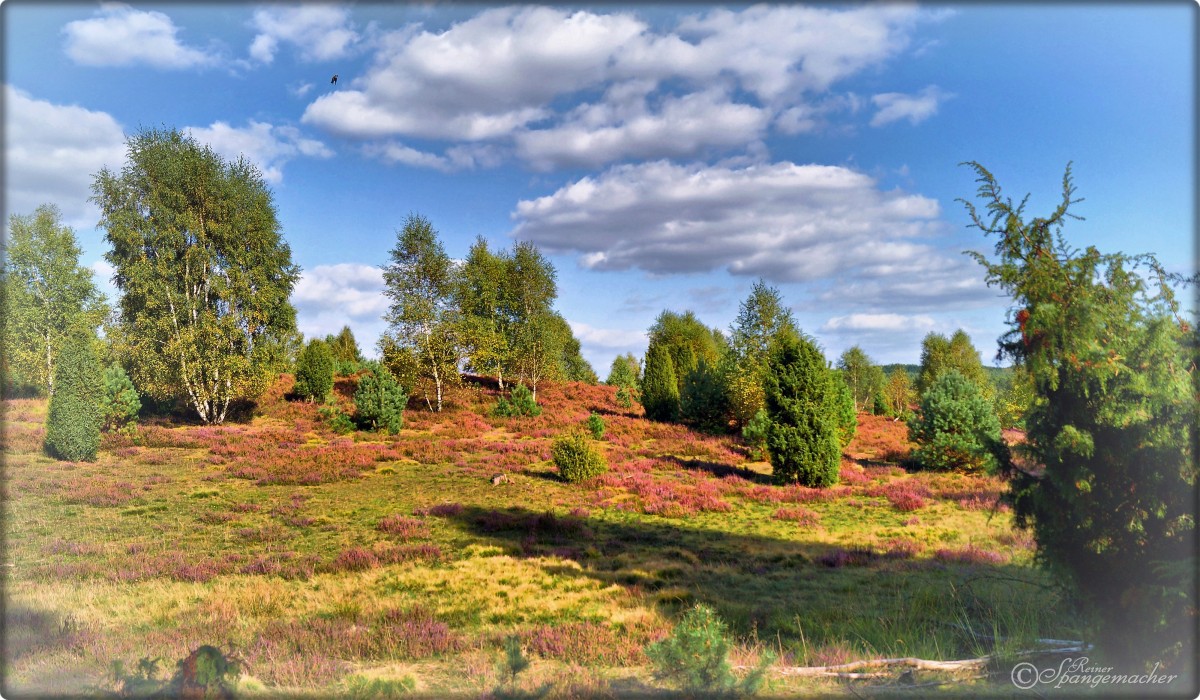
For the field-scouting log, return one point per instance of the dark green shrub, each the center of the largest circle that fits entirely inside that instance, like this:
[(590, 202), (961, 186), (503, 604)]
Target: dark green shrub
[(314, 372), (74, 419), (624, 397), (595, 425), (755, 434), (705, 400), (954, 425), (205, 673), (380, 400), (521, 403), (802, 436), (119, 404), (576, 458), (660, 388), (336, 418), (695, 658)]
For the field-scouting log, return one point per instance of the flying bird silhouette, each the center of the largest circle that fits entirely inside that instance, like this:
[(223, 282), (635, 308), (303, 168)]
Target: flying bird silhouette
[(334, 81)]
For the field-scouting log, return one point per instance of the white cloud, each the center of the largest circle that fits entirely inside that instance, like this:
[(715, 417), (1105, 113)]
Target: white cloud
[(52, 153), (888, 322), (121, 36), (320, 32), (607, 338), (328, 297), (466, 157), (268, 147), (717, 80), (781, 221), (894, 106)]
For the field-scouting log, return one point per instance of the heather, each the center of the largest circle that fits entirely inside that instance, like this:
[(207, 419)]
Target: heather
[(327, 558)]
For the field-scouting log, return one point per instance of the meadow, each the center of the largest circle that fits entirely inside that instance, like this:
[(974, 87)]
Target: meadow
[(324, 562)]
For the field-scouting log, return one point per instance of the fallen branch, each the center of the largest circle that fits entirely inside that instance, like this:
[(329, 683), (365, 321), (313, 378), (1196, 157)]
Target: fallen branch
[(912, 662)]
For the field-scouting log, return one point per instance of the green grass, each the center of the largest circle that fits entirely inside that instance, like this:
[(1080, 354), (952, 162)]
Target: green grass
[(201, 536)]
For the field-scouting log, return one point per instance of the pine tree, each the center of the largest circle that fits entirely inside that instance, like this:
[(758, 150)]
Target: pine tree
[(379, 400), (73, 421), (844, 411), (660, 390), (955, 426), (802, 436), (119, 403)]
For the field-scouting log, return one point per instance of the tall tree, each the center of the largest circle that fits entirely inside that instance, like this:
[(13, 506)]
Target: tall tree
[(421, 281), (534, 338), (939, 353), (625, 371), (203, 271), (660, 389), (343, 347), (73, 420), (762, 318), (1108, 482), (898, 393), (935, 359), (48, 297), (687, 341), (479, 297)]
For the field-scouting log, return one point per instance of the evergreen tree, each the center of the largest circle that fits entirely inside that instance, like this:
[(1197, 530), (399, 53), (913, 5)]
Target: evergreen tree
[(420, 281), (955, 426), (380, 400), (704, 401), (73, 421), (119, 402), (314, 371), (762, 318), (202, 268), (660, 390), (48, 297), (844, 411), (1110, 493), (802, 436)]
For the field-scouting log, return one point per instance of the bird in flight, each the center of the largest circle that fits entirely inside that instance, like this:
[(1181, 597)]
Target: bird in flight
[(334, 81)]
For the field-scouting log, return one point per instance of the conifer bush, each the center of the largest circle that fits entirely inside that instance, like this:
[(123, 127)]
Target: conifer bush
[(802, 436), (755, 434), (624, 397), (844, 410), (577, 460), (380, 400), (695, 657), (120, 403), (521, 403), (314, 372), (705, 400), (660, 388), (74, 419), (954, 426), (595, 425)]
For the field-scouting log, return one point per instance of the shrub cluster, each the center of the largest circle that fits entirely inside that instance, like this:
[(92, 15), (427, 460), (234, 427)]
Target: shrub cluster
[(576, 458), (695, 657), (595, 425), (380, 400), (954, 425), (120, 403), (314, 371), (521, 403)]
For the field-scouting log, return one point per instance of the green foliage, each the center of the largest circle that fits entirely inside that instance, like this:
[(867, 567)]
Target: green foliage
[(74, 419), (954, 426), (624, 397), (845, 414), (762, 319), (704, 401), (687, 341), (119, 403), (1014, 397), (863, 377), (939, 354), (204, 316), (420, 281), (47, 298), (898, 393), (314, 371), (695, 658), (536, 336), (576, 458), (660, 390), (515, 660), (1112, 426), (521, 403), (479, 295), (336, 418), (379, 401), (595, 426), (344, 348), (755, 433), (626, 372), (205, 673), (802, 436)]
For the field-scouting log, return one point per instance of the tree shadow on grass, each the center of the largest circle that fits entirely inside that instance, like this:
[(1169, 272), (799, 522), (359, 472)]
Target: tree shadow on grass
[(718, 469), (792, 592)]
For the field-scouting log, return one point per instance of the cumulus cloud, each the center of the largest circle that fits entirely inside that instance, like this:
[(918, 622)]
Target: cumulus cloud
[(717, 80), (51, 153), (121, 36), (328, 297), (267, 146), (319, 32), (466, 157), (607, 338), (781, 221), (894, 106), (887, 322)]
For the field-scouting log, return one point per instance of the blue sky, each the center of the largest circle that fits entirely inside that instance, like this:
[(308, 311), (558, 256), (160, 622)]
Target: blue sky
[(665, 157)]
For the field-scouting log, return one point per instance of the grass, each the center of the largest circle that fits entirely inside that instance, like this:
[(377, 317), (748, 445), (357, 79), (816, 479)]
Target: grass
[(376, 566)]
